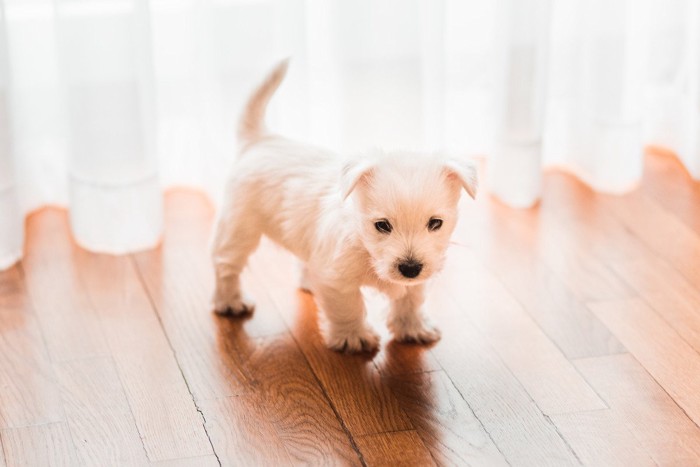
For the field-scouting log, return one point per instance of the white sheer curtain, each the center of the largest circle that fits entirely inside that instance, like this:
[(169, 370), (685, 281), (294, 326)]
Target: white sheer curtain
[(103, 103)]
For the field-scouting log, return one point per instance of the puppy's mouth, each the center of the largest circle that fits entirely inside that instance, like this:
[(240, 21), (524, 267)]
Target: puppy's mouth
[(407, 281)]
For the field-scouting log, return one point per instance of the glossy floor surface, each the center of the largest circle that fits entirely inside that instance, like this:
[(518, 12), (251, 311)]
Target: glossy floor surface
[(571, 334)]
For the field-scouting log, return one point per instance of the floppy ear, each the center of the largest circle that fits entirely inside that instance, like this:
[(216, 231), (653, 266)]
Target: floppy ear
[(353, 174), (463, 171)]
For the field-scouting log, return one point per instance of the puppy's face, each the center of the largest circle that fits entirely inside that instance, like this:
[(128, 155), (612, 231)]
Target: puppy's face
[(406, 211)]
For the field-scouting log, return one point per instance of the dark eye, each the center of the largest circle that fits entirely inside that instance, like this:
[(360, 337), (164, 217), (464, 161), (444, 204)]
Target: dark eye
[(383, 226), (434, 224)]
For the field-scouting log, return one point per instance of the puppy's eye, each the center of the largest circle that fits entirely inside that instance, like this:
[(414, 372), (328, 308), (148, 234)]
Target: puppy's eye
[(434, 224), (383, 226)]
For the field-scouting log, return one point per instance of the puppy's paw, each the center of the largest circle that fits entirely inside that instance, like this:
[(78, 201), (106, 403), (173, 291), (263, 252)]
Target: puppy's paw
[(419, 330), (364, 340), (234, 304)]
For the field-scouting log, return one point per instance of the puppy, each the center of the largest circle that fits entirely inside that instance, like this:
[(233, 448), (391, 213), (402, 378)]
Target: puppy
[(382, 220)]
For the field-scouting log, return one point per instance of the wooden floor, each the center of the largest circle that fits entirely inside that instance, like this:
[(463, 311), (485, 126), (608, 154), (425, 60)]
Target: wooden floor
[(571, 334)]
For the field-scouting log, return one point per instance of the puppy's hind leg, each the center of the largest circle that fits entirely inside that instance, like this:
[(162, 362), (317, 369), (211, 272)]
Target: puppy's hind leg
[(237, 235)]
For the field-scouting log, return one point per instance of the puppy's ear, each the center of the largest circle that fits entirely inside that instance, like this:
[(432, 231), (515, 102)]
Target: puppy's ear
[(464, 172), (353, 174)]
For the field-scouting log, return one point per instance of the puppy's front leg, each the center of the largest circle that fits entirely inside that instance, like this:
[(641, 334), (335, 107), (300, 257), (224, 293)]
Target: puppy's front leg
[(346, 329), (407, 321)]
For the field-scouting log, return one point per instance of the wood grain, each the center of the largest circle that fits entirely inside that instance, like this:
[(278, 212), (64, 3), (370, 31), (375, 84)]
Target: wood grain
[(587, 219), (542, 369), (662, 232), (669, 359), (601, 438), (511, 252), (566, 252), (241, 432), (398, 448), (651, 415), (179, 279), (297, 406), (28, 391), (202, 461), (226, 361), (352, 383), (69, 324), (443, 420), (49, 444), (514, 422), (667, 181), (289, 407), (662, 287), (182, 304), (396, 359), (562, 316), (166, 416), (99, 417), (571, 335)]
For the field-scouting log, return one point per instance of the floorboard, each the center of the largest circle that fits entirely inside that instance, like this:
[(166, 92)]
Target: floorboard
[(571, 335), (444, 421), (540, 367), (98, 413), (160, 400), (245, 369), (403, 448), (352, 383), (663, 233), (512, 243), (509, 415), (69, 323), (673, 363), (651, 415), (668, 182), (201, 461), (665, 290), (48, 444), (29, 394), (600, 438)]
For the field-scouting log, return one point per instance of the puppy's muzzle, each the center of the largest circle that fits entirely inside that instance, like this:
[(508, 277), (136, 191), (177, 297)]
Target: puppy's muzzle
[(410, 268)]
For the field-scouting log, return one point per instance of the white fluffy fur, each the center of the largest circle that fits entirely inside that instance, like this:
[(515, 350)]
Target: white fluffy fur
[(323, 209)]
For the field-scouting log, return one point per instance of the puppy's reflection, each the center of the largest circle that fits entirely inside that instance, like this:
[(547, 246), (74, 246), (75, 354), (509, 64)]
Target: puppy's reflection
[(234, 347), (438, 412), (398, 383), (400, 388)]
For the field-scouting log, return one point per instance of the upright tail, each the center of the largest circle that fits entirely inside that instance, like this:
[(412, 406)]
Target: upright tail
[(252, 122)]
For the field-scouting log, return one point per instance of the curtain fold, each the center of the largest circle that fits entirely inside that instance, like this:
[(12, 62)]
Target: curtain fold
[(106, 81), (521, 55), (103, 103), (12, 231), (595, 123)]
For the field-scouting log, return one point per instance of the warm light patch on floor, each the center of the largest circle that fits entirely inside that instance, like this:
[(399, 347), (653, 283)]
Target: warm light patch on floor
[(570, 334)]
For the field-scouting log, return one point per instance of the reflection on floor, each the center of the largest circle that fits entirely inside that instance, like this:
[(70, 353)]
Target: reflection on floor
[(571, 334)]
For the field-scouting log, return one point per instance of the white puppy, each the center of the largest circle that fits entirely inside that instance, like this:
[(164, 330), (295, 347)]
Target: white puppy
[(381, 220)]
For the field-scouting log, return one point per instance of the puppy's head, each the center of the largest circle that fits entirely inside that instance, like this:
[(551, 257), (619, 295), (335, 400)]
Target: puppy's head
[(406, 210)]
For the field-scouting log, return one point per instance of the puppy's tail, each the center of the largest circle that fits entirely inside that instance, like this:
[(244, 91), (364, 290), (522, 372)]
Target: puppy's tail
[(252, 122)]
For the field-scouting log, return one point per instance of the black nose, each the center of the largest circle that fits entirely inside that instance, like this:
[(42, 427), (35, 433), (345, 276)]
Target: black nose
[(410, 269)]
